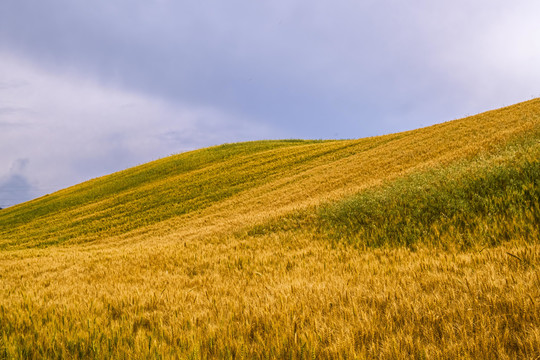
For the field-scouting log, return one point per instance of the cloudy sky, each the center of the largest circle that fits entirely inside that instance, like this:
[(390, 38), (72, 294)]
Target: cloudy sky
[(92, 87)]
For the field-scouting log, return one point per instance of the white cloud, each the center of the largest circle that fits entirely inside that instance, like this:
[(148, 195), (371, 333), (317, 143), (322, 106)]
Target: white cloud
[(489, 57), (308, 68)]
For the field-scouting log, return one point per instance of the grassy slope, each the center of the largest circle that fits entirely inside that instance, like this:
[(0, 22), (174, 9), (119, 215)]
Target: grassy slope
[(253, 249)]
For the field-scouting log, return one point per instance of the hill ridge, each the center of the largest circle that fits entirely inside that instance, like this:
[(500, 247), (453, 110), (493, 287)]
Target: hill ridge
[(275, 177)]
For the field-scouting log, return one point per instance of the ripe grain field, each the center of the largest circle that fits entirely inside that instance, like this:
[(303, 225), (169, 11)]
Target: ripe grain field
[(422, 244)]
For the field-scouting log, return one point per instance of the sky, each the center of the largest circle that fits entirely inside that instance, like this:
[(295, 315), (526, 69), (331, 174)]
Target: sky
[(88, 88)]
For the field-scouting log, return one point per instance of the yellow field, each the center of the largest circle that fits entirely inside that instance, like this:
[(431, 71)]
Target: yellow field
[(421, 244)]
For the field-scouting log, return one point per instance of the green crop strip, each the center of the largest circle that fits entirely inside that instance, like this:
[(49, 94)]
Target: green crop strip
[(446, 207), (144, 196)]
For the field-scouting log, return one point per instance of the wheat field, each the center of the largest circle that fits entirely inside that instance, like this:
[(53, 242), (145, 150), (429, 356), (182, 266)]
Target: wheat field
[(422, 244)]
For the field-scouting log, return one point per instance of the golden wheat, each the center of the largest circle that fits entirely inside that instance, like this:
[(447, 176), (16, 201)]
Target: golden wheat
[(182, 257)]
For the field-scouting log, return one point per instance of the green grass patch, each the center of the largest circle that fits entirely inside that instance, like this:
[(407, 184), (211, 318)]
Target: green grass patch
[(482, 202)]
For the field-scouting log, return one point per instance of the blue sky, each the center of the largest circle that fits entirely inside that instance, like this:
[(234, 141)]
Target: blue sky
[(89, 88)]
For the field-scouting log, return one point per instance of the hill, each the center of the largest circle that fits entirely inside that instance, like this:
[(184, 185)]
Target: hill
[(261, 179), (384, 246)]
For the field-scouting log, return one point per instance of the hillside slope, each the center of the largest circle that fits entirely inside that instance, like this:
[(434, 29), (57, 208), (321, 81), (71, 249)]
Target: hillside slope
[(422, 244), (228, 185)]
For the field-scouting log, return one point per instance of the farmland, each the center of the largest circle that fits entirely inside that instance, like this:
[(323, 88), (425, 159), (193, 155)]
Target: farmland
[(421, 244)]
